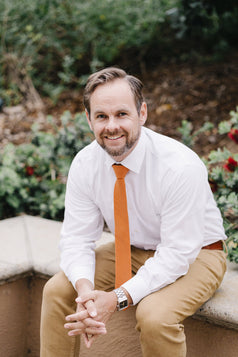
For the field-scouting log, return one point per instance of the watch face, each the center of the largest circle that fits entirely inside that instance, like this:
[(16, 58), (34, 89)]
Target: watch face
[(123, 304)]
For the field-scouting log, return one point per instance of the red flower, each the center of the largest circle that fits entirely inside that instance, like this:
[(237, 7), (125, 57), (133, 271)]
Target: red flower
[(29, 170), (233, 135), (231, 164)]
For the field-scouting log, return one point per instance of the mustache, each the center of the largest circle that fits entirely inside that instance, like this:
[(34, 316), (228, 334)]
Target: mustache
[(112, 132)]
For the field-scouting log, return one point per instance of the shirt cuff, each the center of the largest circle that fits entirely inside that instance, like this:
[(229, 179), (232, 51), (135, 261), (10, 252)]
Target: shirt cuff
[(137, 288), (82, 273)]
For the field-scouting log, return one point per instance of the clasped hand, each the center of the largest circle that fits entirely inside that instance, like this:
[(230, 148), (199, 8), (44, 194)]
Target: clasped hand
[(93, 311)]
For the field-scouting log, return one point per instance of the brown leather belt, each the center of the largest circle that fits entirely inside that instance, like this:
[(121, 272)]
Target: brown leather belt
[(217, 245)]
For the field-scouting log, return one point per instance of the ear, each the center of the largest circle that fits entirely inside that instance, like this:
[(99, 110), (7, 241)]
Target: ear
[(143, 113), (88, 119)]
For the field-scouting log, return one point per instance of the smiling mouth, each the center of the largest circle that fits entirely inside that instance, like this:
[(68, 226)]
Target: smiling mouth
[(113, 137)]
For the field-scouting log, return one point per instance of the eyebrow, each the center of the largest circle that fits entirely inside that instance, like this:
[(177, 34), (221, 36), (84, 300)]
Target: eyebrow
[(122, 109)]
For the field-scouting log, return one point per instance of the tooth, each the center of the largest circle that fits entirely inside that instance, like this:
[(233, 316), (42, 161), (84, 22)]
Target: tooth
[(113, 137)]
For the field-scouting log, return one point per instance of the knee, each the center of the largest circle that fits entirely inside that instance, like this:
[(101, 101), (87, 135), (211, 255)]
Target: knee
[(149, 320), (160, 332), (150, 317), (58, 287)]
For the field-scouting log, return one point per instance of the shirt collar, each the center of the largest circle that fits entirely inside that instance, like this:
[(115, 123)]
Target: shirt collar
[(134, 160)]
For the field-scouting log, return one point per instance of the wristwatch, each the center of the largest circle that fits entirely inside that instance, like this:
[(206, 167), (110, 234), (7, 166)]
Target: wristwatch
[(122, 302)]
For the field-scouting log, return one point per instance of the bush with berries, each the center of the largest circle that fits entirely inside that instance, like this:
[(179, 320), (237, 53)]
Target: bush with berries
[(33, 175), (222, 165)]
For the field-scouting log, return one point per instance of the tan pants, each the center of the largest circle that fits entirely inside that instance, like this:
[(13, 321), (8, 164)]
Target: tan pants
[(159, 316)]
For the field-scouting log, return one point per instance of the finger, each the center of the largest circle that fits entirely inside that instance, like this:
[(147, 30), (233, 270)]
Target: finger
[(80, 307), (91, 308), (93, 323), (86, 297), (84, 324), (75, 333), (88, 339), (75, 326), (88, 330), (78, 316), (88, 301)]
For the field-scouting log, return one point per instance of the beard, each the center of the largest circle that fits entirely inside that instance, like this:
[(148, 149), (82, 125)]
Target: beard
[(117, 152)]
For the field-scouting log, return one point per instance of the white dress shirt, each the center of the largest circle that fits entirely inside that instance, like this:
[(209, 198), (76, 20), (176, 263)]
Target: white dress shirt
[(170, 206)]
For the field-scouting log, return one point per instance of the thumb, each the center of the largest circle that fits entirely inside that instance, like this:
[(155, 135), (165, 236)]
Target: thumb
[(88, 302), (91, 308)]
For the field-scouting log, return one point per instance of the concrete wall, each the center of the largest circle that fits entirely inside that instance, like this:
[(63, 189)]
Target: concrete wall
[(20, 304), (208, 340)]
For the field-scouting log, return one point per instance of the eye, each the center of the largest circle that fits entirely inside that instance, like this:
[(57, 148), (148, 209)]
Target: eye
[(122, 114), (101, 116)]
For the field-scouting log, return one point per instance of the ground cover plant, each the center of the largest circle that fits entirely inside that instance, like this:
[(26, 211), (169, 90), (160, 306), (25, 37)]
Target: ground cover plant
[(222, 165), (33, 175)]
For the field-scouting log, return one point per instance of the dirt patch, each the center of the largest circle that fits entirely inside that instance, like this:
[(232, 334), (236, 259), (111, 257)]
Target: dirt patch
[(194, 93)]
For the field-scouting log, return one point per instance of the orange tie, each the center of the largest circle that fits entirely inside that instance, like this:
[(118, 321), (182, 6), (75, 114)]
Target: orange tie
[(122, 234)]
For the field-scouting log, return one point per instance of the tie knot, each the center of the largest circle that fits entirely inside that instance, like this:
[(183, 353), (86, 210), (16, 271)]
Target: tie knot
[(120, 171)]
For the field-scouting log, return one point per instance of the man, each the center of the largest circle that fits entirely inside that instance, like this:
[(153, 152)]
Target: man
[(175, 230)]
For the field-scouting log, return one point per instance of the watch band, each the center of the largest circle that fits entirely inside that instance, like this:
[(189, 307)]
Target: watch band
[(122, 301)]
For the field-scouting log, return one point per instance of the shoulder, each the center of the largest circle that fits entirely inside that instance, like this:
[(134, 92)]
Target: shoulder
[(170, 153)]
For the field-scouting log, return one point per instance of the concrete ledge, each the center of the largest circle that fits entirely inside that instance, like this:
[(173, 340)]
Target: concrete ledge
[(29, 256), (30, 245)]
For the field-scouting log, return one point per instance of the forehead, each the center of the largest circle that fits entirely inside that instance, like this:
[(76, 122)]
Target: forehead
[(116, 92)]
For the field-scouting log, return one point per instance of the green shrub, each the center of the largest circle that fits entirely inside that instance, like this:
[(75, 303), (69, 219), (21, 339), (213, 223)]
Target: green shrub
[(207, 26), (188, 135), (222, 168), (33, 175), (59, 42)]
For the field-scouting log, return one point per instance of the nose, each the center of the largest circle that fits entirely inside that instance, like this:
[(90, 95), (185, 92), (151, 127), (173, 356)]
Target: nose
[(112, 123)]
